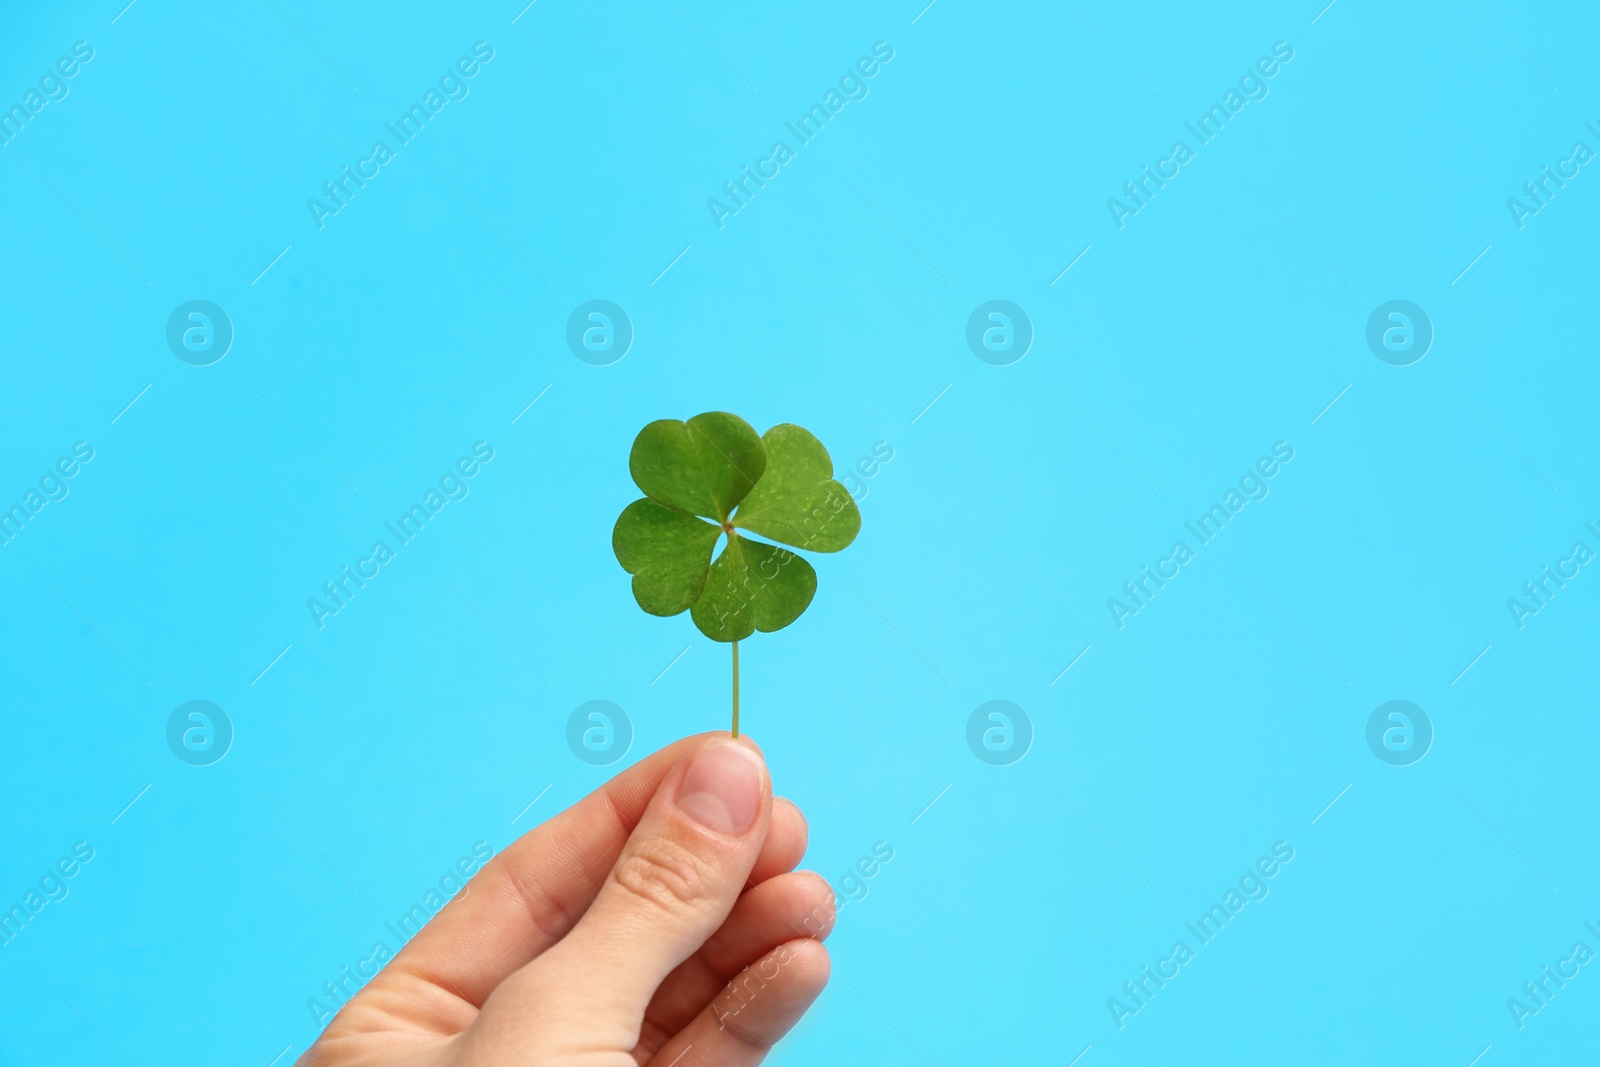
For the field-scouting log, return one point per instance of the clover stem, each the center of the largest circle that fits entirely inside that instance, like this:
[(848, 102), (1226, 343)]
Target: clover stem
[(736, 690)]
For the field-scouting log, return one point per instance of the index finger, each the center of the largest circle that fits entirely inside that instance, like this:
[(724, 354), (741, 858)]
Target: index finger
[(525, 899)]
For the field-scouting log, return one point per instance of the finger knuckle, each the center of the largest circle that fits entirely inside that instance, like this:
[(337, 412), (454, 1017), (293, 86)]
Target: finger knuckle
[(667, 876)]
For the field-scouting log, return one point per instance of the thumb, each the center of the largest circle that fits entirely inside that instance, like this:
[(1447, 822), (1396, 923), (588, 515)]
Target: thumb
[(672, 887)]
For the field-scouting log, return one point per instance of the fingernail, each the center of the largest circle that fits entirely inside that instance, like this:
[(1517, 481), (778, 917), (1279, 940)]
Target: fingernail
[(721, 790)]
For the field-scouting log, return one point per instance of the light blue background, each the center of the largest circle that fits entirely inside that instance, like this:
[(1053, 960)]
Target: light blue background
[(1223, 318)]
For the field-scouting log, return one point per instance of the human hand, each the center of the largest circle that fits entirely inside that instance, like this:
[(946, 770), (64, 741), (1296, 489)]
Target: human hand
[(616, 934)]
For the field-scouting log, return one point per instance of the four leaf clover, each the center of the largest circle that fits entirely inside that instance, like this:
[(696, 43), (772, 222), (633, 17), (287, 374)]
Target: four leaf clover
[(711, 477)]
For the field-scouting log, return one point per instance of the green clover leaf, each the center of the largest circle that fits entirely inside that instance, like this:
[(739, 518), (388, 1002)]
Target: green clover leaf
[(714, 467), (667, 552), (704, 466), (753, 586), (797, 502)]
